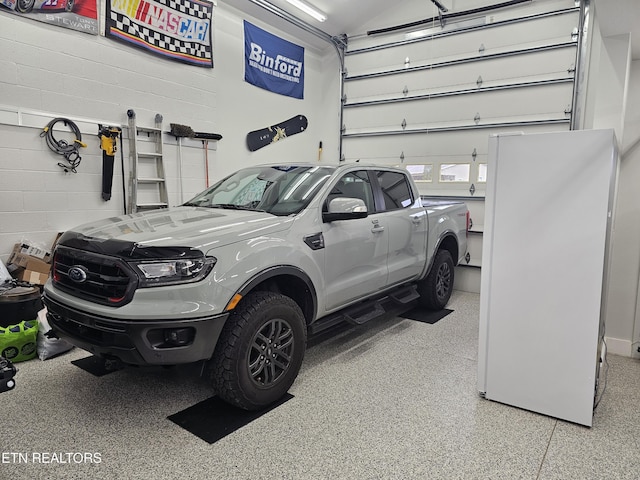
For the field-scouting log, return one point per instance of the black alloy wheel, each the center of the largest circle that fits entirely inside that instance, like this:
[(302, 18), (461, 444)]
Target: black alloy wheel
[(269, 356), (443, 282)]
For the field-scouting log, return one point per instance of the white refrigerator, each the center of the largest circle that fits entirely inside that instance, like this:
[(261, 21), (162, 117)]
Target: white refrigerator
[(549, 202)]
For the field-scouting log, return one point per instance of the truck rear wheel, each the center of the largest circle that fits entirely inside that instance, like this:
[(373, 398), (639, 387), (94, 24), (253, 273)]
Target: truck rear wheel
[(435, 289), (260, 351)]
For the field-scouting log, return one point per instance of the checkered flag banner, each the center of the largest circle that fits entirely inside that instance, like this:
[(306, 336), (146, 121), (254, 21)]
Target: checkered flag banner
[(175, 29)]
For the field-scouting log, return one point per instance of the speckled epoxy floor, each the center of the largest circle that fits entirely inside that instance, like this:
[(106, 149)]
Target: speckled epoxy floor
[(394, 399)]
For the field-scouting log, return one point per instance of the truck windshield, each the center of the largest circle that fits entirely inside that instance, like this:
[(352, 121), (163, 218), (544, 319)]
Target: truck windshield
[(279, 190)]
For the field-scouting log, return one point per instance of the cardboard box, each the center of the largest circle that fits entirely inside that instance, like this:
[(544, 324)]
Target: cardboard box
[(29, 263), (30, 250), (37, 278), (28, 268)]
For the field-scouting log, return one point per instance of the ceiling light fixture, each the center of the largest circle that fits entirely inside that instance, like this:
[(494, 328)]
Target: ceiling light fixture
[(309, 10)]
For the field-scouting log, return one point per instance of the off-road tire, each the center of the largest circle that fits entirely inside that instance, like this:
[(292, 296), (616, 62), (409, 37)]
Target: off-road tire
[(435, 289), (249, 368)]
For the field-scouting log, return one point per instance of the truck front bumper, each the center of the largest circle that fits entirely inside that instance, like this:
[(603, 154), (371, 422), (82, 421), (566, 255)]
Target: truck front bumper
[(159, 342)]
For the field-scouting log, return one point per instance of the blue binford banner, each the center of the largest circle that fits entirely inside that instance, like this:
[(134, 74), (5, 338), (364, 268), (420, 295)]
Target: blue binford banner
[(273, 63)]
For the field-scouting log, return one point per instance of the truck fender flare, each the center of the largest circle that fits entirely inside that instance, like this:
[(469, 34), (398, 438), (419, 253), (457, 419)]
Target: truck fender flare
[(278, 270), (446, 234)]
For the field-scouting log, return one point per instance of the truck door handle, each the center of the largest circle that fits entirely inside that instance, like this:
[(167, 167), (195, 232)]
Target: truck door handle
[(416, 218), (376, 227)]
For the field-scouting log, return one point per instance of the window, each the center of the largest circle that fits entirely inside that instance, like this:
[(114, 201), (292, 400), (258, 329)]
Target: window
[(454, 172), (395, 190), (482, 172), (353, 185), (279, 190), (421, 173)]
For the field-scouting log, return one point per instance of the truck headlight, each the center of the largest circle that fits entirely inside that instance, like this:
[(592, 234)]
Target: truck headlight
[(164, 272)]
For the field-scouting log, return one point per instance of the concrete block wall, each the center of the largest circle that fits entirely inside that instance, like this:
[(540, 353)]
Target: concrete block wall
[(37, 199)]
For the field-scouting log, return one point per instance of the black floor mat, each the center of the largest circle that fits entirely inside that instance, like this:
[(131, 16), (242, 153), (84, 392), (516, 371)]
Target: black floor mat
[(425, 316), (213, 419), (94, 365)]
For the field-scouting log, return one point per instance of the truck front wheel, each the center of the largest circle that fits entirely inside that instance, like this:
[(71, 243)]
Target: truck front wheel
[(435, 289), (260, 351)]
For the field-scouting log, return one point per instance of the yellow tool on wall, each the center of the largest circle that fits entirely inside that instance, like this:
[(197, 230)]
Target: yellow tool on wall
[(109, 145)]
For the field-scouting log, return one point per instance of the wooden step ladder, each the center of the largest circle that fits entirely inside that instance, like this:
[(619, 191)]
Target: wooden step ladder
[(148, 178)]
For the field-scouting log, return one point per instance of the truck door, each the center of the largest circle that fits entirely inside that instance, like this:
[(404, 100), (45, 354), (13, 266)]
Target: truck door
[(404, 217), (356, 249)]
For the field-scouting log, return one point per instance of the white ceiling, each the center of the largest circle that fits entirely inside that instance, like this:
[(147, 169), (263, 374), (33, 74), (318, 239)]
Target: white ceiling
[(615, 17)]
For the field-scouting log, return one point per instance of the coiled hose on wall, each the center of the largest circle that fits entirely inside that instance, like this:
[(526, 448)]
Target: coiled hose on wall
[(62, 147)]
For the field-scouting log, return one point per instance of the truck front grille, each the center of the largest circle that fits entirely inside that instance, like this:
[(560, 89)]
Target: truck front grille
[(98, 278)]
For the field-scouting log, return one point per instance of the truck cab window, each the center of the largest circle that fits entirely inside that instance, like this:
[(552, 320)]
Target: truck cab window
[(353, 185), (395, 190)]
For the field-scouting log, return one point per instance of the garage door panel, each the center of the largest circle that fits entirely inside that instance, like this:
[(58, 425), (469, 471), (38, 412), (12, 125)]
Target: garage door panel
[(524, 68), (513, 105), (438, 145), (535, 33), (429, 157)]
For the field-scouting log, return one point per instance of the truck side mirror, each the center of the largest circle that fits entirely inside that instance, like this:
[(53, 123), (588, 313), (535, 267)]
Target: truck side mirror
[(343, 208)]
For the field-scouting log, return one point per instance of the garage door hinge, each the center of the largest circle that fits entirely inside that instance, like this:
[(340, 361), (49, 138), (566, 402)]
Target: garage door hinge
[(405, 91), (574, 34), (481, 49), (474, 154), (404, 124), (472, 189), (402, 157), (479, 82), (477, 118)]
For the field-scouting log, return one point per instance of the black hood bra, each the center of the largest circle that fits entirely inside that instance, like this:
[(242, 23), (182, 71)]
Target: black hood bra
[(125, 249)]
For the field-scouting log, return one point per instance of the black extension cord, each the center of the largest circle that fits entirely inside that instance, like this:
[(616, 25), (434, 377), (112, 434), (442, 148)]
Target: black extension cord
[(68, 150)]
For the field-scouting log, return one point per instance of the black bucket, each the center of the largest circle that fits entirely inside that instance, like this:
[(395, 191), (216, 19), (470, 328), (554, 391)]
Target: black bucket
[(18, 304)]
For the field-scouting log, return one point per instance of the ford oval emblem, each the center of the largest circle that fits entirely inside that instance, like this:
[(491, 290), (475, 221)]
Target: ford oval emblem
[(78, 274)]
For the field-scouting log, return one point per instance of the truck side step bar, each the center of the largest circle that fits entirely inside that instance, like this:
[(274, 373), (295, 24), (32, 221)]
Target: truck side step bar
[(405, 295), (362, 314), (368, 310)]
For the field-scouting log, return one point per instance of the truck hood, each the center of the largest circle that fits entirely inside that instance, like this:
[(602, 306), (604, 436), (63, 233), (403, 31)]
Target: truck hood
[(195, 227)]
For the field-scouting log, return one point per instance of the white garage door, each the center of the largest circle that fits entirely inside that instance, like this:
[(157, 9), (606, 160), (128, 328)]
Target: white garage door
[(429, 97)]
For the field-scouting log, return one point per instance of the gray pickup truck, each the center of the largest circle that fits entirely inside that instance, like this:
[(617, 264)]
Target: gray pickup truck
[(242, 273)]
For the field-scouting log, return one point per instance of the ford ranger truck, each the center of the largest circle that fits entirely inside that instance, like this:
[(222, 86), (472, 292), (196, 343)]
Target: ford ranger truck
[(242, 273)]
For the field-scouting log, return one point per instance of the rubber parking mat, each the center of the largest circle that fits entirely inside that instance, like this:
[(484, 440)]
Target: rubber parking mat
[(426, 316), (213, 419), (94, 365)]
